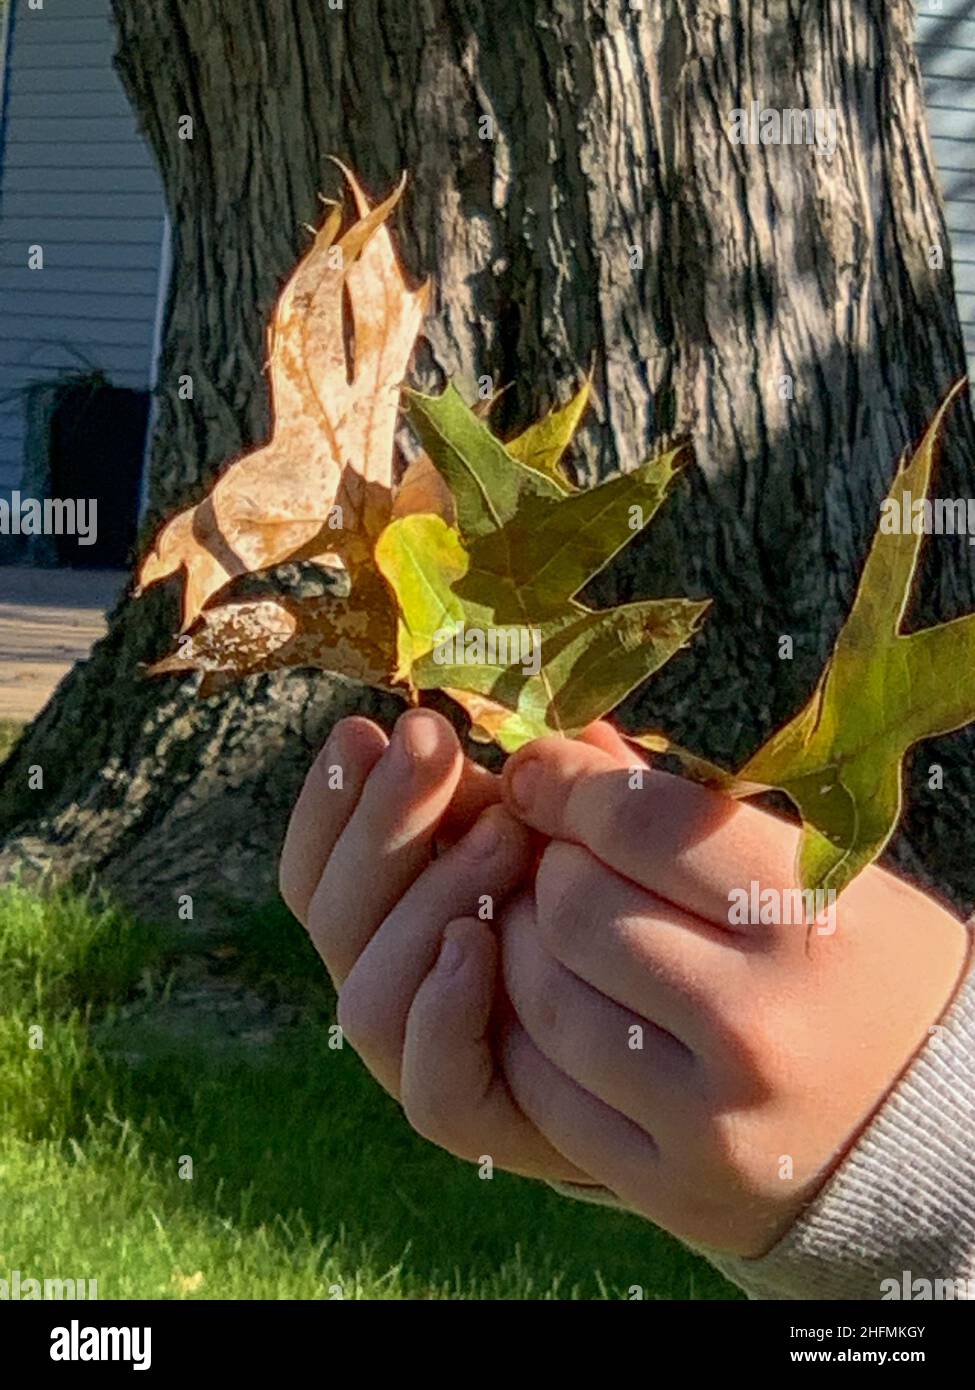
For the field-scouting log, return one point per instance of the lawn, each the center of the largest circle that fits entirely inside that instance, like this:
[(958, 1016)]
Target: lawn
[(207, 1161)]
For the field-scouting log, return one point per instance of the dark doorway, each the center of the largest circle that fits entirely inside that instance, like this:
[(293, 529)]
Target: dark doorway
[(98, 435)]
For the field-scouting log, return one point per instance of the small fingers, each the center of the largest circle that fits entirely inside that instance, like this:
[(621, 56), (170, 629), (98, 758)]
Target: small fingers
[(452, 1091), (587, 1132), (387, 840), (330, 794), (680, 972), (613, 1052), (470, 878)]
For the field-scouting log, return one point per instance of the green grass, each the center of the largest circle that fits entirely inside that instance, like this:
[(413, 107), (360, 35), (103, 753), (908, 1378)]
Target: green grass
[(307, 1182)]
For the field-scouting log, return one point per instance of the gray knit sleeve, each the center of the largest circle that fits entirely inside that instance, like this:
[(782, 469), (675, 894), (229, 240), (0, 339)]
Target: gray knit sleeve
[(901, 1206)]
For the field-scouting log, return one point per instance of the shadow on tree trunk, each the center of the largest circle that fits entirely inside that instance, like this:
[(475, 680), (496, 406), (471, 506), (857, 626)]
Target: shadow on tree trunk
[(607, 135)]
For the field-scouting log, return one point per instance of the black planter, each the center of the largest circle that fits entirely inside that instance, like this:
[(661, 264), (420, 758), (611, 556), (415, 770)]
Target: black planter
[(97, 439)]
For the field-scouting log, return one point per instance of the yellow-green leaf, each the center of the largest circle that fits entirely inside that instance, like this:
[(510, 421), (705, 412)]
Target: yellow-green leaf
[(521, 530), (542, 445), (521, 652), (421, 557), (840, 760)]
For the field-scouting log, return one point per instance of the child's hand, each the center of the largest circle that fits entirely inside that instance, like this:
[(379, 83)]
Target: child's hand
[(358, 870), (758, 1062)]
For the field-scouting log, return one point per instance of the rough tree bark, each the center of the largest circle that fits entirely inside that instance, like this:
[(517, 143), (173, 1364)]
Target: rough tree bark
[(607, 131)]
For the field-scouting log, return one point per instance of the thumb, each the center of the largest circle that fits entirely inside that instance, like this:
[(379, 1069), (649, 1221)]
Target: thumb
[(539, 780)]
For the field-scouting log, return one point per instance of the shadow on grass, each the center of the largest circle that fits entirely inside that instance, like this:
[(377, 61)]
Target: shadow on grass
[(288, 1135)]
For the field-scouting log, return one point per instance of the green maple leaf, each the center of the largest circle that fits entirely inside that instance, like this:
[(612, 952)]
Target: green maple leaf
[(523, 547), (840, 760)]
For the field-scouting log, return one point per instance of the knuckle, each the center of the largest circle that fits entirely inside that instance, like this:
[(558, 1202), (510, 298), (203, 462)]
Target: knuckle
[(742, 1162)]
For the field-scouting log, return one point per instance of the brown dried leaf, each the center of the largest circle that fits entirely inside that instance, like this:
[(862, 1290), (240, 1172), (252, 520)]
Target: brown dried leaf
[(423, 490), (330, 457), (354, 637), (487, 717)]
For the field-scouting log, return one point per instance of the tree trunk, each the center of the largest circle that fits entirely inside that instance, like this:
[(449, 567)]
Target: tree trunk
[(576, 196)]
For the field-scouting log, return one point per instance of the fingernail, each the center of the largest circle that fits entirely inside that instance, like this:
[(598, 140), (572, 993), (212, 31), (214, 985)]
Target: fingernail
[(451, 955), (417, 736), (524, 784)]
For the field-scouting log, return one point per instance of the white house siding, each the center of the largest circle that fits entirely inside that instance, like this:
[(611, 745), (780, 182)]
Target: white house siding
[(77, 179), (946, 52)]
